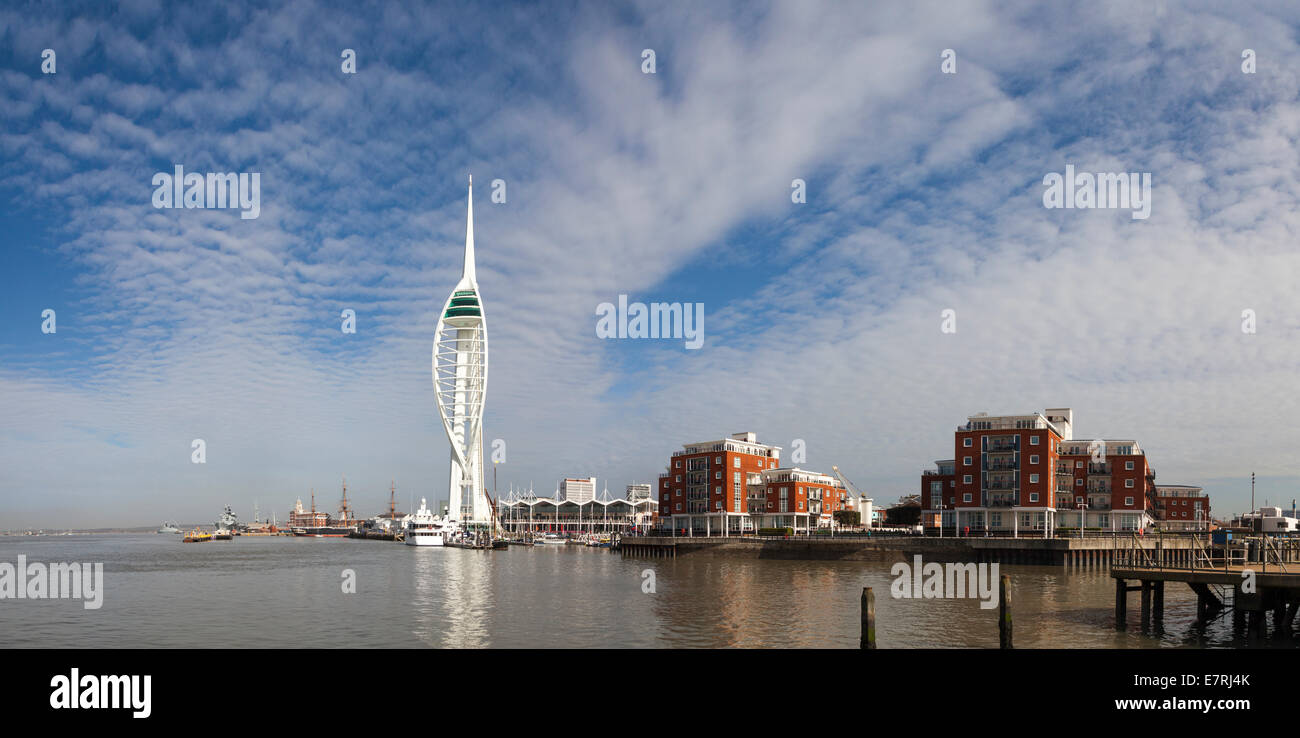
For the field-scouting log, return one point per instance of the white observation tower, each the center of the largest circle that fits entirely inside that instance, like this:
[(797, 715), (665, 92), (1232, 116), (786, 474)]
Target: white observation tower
[(460, 366)]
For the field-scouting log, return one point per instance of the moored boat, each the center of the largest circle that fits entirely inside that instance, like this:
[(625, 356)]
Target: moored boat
[(424, 528), (197, 536)]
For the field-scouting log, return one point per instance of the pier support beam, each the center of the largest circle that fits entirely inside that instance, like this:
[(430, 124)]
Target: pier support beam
[(1004, 612), (1146, 606), (1121, 604), (1158, 607)]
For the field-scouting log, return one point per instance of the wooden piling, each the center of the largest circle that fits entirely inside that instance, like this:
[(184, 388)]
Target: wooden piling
[(1158, 607), (1004, 612), (868, 637), (1121, 604), (1146, 605)]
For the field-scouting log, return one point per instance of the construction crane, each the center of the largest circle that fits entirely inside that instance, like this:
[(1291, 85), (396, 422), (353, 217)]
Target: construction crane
[(863, 503)]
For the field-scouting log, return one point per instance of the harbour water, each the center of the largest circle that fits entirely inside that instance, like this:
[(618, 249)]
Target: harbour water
[(276, 592)]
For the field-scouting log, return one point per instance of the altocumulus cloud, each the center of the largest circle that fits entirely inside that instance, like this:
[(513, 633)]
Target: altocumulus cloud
[(924, 193)]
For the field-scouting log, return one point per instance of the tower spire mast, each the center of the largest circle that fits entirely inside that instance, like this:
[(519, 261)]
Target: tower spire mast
[(468, 274)]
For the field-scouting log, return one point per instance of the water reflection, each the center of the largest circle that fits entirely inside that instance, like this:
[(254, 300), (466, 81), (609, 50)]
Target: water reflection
[(284, 593)]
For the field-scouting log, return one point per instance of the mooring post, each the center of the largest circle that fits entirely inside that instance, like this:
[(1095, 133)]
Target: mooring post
[(1004, 612), (868, 638), (1121, 604)]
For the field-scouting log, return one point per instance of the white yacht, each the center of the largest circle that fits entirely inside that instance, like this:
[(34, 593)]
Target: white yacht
[(424, 528)]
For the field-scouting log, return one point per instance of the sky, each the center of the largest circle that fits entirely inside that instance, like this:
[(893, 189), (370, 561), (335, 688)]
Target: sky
[(823, 320)]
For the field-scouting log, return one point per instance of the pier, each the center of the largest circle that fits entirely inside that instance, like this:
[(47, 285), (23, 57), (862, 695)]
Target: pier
[(1252, 577)]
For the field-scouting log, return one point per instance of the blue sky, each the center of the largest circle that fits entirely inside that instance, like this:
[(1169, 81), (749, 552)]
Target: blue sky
[(822, 319)]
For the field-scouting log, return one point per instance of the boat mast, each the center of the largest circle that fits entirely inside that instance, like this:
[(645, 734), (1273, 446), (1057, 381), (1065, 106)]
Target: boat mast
[(344, 512)]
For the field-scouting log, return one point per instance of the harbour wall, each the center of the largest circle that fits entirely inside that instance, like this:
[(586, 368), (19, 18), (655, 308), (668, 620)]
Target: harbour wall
[(1052, 551)]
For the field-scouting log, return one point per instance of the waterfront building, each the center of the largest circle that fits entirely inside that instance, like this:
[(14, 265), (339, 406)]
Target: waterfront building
[(460, 365), (527, 513), (795, 498), (577, 490), (736, 485), (1027, 474), (707, 485), (1182, 507), (1271, 520), (300, 518)]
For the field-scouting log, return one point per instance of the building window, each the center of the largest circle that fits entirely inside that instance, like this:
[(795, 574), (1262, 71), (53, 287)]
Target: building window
[(1128, 483), (1128, 465), (717, 460), (965, 460), (1033, 497), (1078, 482), (1078, 465), (717, 475), (1033, 459), (1033, 479), (965, 497), (665, 484), (1033, 440), (679, 477), (1128, 500), (679, 507), (965, 442), (736, 462), (966, 479)]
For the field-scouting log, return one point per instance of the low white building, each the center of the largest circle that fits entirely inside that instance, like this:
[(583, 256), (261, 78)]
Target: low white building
[(1271, 520)]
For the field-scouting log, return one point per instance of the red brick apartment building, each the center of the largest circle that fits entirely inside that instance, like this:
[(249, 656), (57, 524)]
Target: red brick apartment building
[(1027, 473), (736, 484), (1182, 507)]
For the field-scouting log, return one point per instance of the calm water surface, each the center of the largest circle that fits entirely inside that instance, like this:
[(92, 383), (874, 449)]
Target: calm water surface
[(286, 592)]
